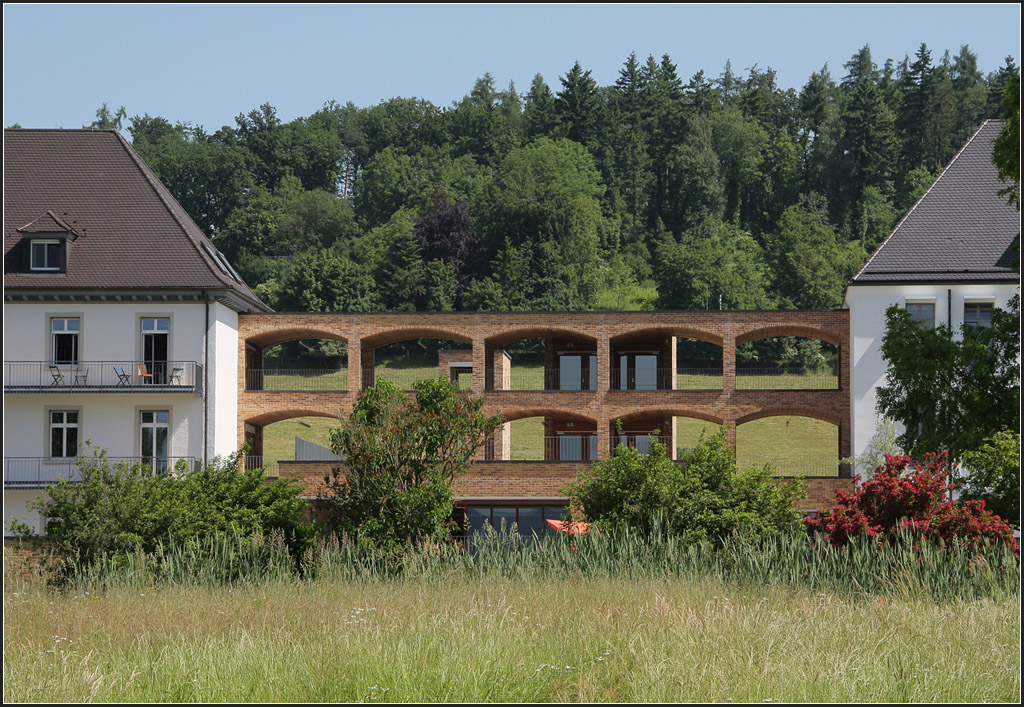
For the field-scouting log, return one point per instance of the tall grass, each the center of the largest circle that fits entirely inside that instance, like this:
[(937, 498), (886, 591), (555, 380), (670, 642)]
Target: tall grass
[(908, 566)]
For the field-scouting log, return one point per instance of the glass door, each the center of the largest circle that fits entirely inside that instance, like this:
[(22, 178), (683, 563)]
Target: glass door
[(154, 429), (155, 333)]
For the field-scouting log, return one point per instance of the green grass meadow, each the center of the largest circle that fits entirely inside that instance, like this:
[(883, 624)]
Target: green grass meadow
[(502, 640)]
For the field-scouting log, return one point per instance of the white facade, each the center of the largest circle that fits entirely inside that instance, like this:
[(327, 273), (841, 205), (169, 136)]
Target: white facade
[(867, 305), (194, 404)]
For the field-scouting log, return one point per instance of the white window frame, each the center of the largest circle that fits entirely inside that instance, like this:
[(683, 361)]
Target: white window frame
[(46, 266), (64, 425), (65, 331), (919, 301), (975, 301)]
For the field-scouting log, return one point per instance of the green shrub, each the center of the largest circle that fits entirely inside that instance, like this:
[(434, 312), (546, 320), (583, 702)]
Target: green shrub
[(121, 509), (704, 497)]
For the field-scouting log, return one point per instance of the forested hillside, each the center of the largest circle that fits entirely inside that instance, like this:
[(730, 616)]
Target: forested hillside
[(717, 191)]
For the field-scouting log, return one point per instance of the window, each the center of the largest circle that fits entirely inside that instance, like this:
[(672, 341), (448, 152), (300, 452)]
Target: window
[(922, 312), (64, 335), (978, 314), (530, 520), (154, 428), (45, 255), (155, 348), (63, 433)]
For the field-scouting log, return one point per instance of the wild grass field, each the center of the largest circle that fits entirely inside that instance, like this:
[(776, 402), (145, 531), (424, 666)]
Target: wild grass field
[(492, 639)]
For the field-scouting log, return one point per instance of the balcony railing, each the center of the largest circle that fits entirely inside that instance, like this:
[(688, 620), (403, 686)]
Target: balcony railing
[(296, 379), (666, 379), (39, 472), (541, 379), (103, 376), (785, 379), (640, 441), (405, 378)]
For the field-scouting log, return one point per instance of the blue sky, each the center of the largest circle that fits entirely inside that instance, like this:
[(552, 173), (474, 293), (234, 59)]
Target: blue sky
[(205, 64)]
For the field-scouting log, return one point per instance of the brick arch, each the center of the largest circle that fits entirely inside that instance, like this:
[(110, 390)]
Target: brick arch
[(404, 333), (810, 332), (816, 414), (507, 337), (674, 412), (677, 331), (272, 416), (524, 413), (293, 333)]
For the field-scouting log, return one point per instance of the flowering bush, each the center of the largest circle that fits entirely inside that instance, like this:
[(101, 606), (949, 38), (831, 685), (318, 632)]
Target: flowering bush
[(912, 494)]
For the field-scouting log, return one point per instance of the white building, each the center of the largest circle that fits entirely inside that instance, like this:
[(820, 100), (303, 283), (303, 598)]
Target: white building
[(120, 318), (949, 261)]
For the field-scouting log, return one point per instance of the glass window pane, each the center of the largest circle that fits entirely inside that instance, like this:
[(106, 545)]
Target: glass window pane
[(147, 441), (476, 518), (161, 416), (71, 444), (531, 521), (56, 442), (161, 443), (53, 255), (503, 518), (646, 372), (72, 325), (147, 417), (56, 417), (570, 371), (570, 448), (58, 324), (71, 416)]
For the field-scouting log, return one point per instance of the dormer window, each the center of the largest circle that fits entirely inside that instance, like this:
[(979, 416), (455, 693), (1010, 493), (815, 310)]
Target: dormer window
[(48, 240), (46, 255)]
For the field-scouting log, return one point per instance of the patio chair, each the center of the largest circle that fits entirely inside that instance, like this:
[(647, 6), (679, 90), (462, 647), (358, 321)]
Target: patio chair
[(122, 376), (81, 375), (176, 373), (144, 373), (58, 375)]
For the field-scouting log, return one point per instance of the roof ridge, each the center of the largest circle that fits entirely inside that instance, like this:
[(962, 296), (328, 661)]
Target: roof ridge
[(917, 203)]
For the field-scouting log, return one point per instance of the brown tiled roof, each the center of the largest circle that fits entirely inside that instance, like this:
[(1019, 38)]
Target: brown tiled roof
[(49, 223), (960, 230), (132, 234)]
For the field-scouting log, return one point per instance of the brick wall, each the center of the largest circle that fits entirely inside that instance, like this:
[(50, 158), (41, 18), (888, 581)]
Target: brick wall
[(601, 332)]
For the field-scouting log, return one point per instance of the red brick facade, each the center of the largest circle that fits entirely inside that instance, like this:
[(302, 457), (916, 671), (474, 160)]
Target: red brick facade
[(607, 335)]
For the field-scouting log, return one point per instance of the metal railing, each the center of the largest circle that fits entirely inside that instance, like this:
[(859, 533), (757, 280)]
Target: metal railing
[(641, 441), (405, 378), (36, 472), (106, 376), (541, 379), (666, 379), (785, 379), (296, 379), (784, 464)]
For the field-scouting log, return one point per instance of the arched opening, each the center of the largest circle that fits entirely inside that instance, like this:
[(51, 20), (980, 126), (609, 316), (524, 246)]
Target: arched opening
[(698, 364), (544, 435), (541, 360), (298, 365), (296, 435), (666, 359), (786, 363), (689, 431), (403, 362), (794, 445)]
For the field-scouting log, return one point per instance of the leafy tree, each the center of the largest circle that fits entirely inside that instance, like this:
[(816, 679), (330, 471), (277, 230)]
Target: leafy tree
[(993, 475), (447, 233), (401, 455), (706, 497), (951, 393), (323, 281), (120, 509), (107, 120), (1006, 154)]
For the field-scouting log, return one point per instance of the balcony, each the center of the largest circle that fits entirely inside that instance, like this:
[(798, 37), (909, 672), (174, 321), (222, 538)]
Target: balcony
[(103, 377), (40, 472)]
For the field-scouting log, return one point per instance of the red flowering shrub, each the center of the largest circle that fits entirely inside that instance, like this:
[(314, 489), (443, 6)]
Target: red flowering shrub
[(915, 498)]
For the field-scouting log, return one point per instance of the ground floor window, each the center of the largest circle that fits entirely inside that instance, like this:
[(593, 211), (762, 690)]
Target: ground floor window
[(529, 519), (154, 427)]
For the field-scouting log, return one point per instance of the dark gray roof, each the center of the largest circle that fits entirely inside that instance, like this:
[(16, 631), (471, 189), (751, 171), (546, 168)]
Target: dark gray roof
[(131, 232), (960, 230)]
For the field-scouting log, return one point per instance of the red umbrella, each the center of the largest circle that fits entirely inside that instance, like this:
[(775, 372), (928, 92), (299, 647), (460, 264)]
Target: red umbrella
[(569, 528)]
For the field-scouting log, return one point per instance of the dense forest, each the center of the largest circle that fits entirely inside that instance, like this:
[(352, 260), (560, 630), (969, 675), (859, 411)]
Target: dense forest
[(655, 192)]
